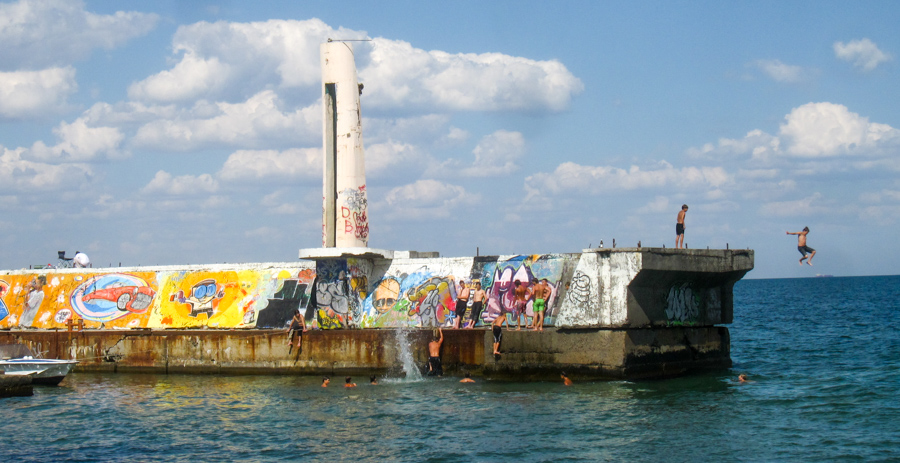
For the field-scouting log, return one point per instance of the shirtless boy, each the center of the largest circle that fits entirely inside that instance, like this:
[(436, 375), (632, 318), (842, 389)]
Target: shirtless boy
[(478, 297), (462, 300), (802, 247), (541, 296), (497, 329), (679, 227), (434, 355), (297, 328), (521, 294)]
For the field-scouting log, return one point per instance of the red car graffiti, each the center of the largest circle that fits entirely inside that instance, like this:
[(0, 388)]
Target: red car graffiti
[(134, 299)]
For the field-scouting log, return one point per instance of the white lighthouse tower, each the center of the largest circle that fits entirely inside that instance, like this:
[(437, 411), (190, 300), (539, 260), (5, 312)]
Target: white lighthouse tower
[(345, 220)]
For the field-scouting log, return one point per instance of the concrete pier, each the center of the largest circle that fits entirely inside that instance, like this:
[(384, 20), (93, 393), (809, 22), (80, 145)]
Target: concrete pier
[(527, 355), (614, 314)]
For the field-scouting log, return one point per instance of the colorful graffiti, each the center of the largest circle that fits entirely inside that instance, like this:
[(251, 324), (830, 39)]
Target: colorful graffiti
[(291, 294), (426, 297), (336, 294), (4, 311), (499, 279), (340, 288), (248, 298), (103, 298), (354, 212)]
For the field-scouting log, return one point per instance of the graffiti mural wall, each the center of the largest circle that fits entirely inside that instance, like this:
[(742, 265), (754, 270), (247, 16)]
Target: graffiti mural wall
[(591, 289), (237, 298), (416, 295)]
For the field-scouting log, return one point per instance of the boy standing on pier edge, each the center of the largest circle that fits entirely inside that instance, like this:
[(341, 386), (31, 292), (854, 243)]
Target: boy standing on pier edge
[(679, 227)]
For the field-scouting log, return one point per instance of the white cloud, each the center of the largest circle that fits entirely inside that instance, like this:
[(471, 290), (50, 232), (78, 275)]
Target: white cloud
[(233, 60), (828, 129), (224, 57), (259, 121), (814, 130), (35, 93), (655, 206), (864, 54), (398, 75), (812, 205), (163, 182), (416, 129), (426, 199), (20, 174), (303, 163), (190, 78), (44, 33), (781, 72), (389, 156), (78, 142), (496, 154), (570, 176)]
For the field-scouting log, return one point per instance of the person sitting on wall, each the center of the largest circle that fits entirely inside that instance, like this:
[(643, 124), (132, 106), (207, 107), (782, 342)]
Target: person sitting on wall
[(297, 328), (434, 355), (81, 260)]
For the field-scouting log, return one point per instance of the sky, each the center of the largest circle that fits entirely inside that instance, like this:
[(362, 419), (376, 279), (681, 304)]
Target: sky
[(167, 133)]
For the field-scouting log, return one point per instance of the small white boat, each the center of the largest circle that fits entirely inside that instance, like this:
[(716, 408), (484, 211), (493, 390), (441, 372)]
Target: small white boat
[(18, 359)]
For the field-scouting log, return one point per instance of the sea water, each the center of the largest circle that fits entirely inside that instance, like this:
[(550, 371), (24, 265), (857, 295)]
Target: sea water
[(823, 356)]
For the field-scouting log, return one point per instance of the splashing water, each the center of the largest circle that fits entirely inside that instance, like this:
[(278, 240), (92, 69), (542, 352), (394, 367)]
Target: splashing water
[(407, 362)]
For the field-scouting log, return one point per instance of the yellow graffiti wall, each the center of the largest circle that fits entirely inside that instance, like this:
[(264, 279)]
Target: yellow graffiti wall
[(226, 298)]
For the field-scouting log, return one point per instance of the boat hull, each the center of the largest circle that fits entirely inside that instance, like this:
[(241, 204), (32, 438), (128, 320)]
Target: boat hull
[(44, 371)]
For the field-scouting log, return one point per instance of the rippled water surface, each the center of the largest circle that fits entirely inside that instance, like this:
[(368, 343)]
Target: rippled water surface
[(823, 354)]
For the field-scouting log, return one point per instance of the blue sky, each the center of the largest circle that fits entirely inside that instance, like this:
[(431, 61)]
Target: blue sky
[(161, 133)]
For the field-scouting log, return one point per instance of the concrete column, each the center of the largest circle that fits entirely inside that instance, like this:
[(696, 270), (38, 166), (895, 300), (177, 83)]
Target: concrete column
[(345, 222)]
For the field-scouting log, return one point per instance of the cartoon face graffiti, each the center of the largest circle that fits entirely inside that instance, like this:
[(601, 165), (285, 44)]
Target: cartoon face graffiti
[(386, 295), (201, 298)]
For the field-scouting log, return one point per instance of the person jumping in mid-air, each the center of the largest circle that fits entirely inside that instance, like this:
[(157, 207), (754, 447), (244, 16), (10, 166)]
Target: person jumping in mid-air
[(802, 247)]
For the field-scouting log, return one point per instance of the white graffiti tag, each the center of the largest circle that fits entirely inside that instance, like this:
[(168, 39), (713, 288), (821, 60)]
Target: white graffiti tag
[(682, 304)]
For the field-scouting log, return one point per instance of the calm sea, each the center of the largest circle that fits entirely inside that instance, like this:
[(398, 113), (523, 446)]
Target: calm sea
[(823, 355)]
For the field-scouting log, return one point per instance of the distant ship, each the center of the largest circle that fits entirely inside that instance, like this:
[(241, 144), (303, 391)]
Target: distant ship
[(819, 275)]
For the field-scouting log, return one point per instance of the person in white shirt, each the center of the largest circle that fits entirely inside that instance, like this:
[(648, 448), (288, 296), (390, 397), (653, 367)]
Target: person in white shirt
[(81, 260)]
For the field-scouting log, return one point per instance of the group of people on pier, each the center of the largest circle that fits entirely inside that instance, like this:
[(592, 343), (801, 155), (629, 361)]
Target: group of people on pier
[(538, 293)]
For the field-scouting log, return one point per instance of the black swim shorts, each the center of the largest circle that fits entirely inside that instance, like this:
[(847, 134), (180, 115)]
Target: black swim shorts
[(498, 333), (679, 228), (461, 307)]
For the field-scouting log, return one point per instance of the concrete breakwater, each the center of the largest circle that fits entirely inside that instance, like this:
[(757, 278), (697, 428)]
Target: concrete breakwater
[(584, 353), (613, 313)]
